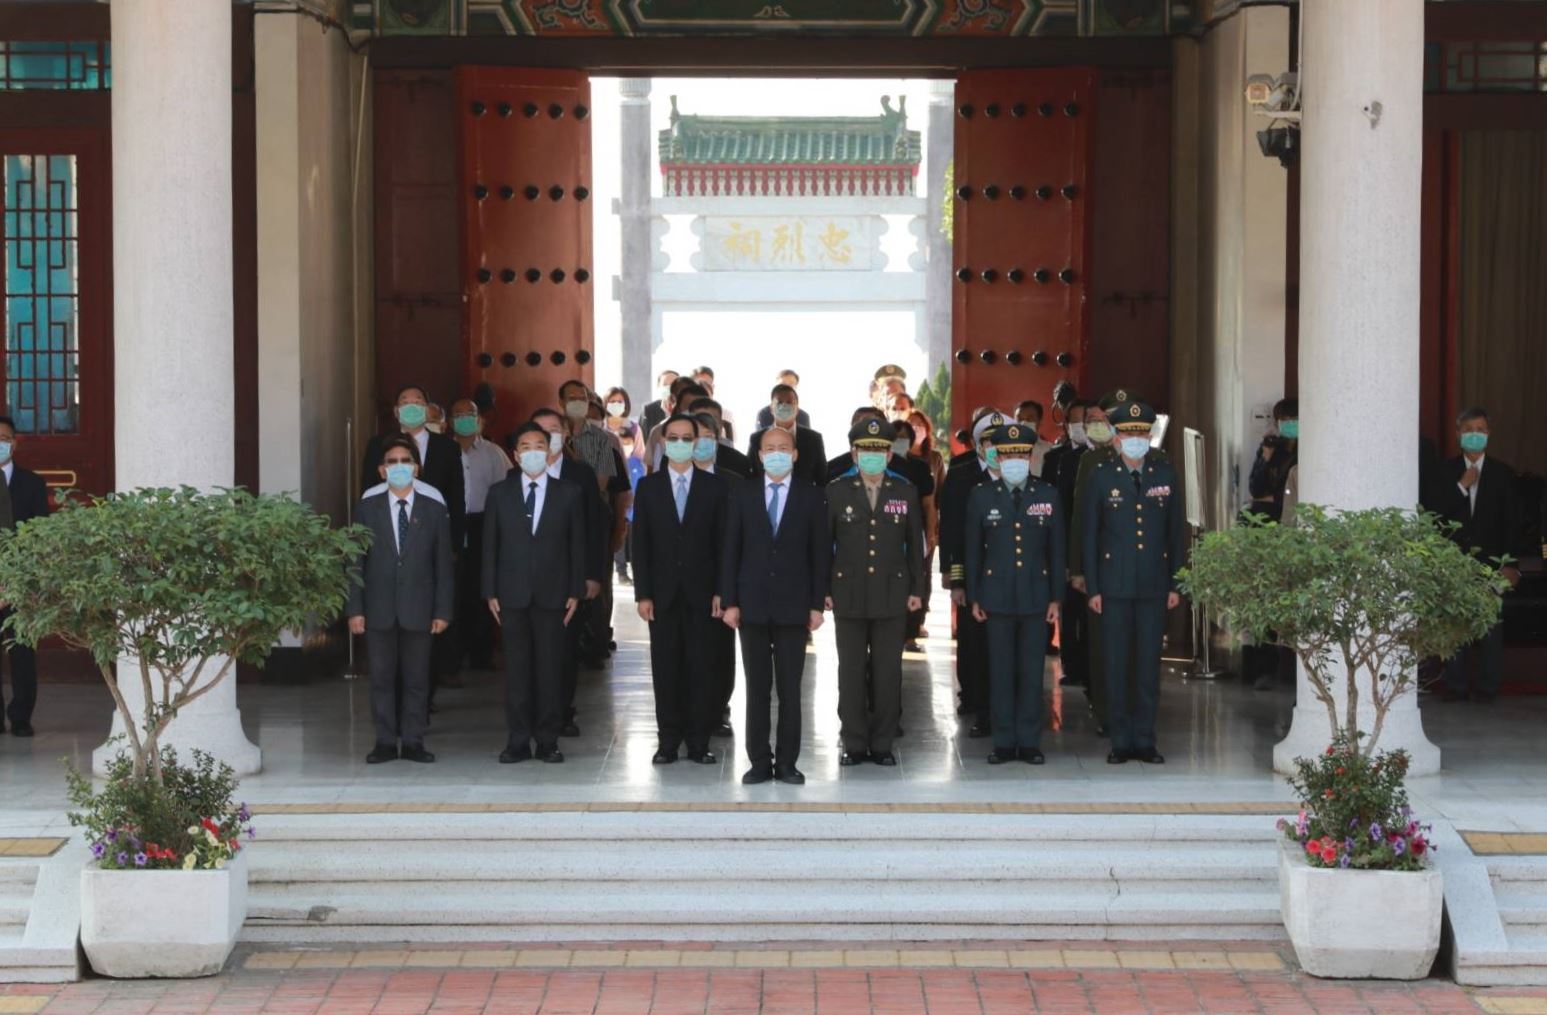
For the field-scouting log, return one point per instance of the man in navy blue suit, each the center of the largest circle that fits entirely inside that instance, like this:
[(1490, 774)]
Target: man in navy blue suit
[(773, 586), (25, 497)]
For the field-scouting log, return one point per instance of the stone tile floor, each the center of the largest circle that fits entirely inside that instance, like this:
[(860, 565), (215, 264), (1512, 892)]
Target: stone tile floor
[(882, 979)]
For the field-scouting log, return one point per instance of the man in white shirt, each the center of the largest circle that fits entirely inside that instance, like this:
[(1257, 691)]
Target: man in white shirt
[(484, 463)]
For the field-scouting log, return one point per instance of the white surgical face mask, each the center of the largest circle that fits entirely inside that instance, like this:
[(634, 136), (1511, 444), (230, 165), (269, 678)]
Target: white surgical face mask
[(615, 409), (555, 443), (1077, 433)]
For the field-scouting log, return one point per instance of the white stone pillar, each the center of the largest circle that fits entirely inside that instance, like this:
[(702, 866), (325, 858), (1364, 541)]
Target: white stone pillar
[(1361, 171), (637, 150), (172, 287), (941, 141)]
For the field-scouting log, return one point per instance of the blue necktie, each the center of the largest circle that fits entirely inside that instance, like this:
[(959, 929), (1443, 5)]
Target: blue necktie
[(531, 506), (773, 507), (402, 525), (682, 496)]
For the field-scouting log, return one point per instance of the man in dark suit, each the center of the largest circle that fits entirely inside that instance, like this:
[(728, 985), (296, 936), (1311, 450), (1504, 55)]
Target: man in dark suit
[(406, 598), (1477, 492), (765, 417), (810, 455), (719, 459), (534, 576), (773, 586), (23, 497), (711, 452), (653, 414), (679, 533)]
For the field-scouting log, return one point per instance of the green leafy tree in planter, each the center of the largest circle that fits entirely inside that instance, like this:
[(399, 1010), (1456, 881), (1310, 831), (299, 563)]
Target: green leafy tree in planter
[(934, 401), (1362, 593), (187, 584)]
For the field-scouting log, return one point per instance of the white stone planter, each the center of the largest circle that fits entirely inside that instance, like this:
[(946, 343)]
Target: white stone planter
[(162, 923), (1353, 924)]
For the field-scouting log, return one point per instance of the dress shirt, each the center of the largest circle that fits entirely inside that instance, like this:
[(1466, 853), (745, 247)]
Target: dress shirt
[(9, 468), (784, 495), (541, 479), (674, 475), (392, 502), (422, 438), (1471, 495), (483, 465)]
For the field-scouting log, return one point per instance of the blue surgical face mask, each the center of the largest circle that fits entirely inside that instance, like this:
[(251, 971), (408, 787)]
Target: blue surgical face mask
[(1471, 443), (872, 463), (901, 447), (411, 415), (1135, 447), (991, 456), (5, 451), (1015, 470), (1289, 429), (534, 463), (679, 452), (465, 426), (784, 411), (705, 449), (400, 476), (778, 463)]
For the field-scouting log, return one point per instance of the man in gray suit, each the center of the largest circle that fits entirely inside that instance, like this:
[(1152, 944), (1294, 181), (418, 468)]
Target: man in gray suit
[(405, 600)]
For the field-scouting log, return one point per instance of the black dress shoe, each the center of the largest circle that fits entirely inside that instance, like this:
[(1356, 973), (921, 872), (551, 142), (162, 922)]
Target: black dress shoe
[(1000, 755), (723, 730), (664, 757), (417, 753), (1116, 757), (380, 753), (848, 759), (569, 729), (512, 755), (1031, 755), (753, 776), (24, 729), (550, 754), (789, 774), (1148, 755), (886, 758), (704, 757), (978, 731)]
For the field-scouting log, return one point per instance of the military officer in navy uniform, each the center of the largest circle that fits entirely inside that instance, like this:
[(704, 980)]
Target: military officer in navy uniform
[(878, 576), (1134, 543), (1015, 552)]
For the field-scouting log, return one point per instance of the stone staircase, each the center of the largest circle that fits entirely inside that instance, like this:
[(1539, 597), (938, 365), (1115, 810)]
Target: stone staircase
[(783, 876), (1506, 943), (40, 917)]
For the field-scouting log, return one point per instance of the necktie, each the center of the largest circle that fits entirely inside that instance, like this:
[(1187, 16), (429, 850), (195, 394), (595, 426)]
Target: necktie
[(1016, 500), (1137, 487), (402, 525), (773, 506), (682, 496), (531, 506)]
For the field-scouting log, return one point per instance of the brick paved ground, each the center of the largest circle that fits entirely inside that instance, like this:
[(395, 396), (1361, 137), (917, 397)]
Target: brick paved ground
[(600, 980)]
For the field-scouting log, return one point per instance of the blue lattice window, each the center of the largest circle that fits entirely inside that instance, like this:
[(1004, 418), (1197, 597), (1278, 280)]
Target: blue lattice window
[(42, 293), (60, 66), (1481, 65)]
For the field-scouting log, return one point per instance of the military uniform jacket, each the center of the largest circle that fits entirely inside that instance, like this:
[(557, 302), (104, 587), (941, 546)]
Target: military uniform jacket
[(1134, 539), (878, 556), (960, 480), (1015, 558)]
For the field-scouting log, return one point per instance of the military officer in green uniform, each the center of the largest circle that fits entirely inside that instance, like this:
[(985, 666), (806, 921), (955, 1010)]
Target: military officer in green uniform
[(1015, 550), (1099, 430), (1134, 543), (878, 577)]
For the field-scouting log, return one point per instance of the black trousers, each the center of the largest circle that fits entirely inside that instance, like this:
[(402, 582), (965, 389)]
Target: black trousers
[(722, 642), (1133, 632), (972, 664), (1072, 637), (24, 678), (916, 617), (534, 649), (681, 665), (1490, 647), (869, 681), (774, 657), (1017, 653), (569, 661), (400, 683), (474, 624)]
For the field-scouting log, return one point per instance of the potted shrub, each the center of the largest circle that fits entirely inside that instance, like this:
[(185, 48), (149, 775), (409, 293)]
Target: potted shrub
[(1360, 597), (181, 585)]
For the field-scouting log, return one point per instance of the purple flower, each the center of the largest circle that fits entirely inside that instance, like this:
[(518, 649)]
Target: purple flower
[(123, 859), (1345, 860), (112, 835), (252, 833), (1398, 846), (139, 859), (98, 850), (243, 814), (133, 842), (1349, 844), (1376, 832)]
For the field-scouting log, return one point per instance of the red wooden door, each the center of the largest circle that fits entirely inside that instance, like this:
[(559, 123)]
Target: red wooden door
[(56, 373), (1022, 220), (525, 143)]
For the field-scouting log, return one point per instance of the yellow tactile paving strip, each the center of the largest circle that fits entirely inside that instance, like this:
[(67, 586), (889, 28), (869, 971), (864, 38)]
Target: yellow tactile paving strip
[(727, 807), (38, 848), (23, 1004), (1506, 844), (1251, 959), (1513, 1005)]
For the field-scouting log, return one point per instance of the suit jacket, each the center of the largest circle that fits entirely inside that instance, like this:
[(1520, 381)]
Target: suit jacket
[(811, 456), (1134, 541), (731, 462), (411, 586), (678, 560), (598, 515), (914, 470), (1492, 529), (29, 495), (960, 478), (878, 555), (441, 468), (1015, 558), (523, 568), (775, 579)]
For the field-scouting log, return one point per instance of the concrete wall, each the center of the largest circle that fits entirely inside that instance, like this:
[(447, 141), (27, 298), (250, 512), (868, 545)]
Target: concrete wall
[(308, 364), (1229, 205)]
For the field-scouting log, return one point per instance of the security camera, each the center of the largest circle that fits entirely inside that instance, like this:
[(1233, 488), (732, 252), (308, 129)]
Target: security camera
[(1278, 97)]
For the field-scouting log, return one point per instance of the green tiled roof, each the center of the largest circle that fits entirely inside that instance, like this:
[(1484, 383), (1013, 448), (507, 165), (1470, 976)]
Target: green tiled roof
[(883, 140)]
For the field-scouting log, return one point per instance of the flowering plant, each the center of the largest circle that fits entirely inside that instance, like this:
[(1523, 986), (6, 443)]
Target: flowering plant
[(1354, 811), (187, 821)]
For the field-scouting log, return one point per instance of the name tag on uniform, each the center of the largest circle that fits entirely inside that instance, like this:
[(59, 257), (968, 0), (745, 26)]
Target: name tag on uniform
[(1158, 491), (896, 507), (993, 514), (1039, 510)]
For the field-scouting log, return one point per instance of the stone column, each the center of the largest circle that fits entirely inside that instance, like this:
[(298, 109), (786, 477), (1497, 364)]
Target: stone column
[(633, 208), (1361, 170), (172, 287), (940, 139)]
